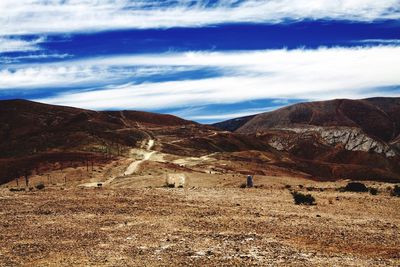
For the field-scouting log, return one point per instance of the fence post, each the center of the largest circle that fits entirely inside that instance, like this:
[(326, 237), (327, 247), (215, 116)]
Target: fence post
[(249, 181)]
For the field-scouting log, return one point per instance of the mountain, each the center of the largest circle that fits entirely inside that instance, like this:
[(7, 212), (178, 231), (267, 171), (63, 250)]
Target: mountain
[(360, 136), (233, 124), (37, 137), (379, 117), (338, 139), (34, 134)]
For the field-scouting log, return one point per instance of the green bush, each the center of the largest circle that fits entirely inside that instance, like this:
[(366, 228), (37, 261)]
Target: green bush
[(302, 199), (40, 186)]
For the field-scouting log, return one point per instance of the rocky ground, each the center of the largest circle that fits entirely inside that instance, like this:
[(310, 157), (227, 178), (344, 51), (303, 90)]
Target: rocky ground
[(63, 225)]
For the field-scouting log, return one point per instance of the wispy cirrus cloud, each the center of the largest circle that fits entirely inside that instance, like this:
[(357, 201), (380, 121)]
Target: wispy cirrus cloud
[(379, 41), (24, 58), (43, 16), (306, 74), (79, 73), (9, 44)]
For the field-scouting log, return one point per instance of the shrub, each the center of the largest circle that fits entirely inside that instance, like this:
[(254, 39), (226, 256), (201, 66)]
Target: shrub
[(302, 199), (288, 186), (167, 185), (16, 189), (243, 185), (355, 187), (373, 191), (40, 186), (396, 191)]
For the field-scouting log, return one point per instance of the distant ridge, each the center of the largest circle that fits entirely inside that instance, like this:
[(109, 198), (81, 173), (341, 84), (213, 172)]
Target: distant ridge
[(379, 117), (325, 140)]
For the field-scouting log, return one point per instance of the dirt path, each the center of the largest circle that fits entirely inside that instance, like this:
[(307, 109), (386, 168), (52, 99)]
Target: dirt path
[(191, 161), (146, 154), (123, 119), (131, 169)]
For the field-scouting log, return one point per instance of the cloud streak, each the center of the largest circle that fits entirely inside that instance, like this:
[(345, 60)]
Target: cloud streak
[(43, 17), (8, 44), (306, 74)]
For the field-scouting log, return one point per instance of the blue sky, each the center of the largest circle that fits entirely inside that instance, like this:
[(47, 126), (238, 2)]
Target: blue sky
[(202, 60)]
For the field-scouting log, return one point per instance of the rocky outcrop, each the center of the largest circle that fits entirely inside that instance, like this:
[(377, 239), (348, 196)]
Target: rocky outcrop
[(378, 118), (352, 139)]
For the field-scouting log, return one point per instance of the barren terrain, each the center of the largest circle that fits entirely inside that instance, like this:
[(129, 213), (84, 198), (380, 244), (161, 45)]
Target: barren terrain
[(210, 221), (141, 189)]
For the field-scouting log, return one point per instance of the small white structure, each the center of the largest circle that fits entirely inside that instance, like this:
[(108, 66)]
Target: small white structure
[(175, 180)]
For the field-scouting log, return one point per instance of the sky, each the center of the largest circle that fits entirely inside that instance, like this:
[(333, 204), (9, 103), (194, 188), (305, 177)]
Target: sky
[(205, 61)]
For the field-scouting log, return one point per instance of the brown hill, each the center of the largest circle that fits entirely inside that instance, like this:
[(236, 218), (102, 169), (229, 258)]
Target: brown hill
[(34, 133), (320, 140), (28, 127), (334, 139), (377, 117)]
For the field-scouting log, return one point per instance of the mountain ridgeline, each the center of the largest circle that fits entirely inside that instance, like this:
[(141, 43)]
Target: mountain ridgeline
[(346, 138), (327, 140)]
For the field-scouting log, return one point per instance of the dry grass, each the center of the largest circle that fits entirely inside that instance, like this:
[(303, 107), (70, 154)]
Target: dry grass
[(198, 226)]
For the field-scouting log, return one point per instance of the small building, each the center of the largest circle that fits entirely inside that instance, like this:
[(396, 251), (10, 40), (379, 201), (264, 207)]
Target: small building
[(175, 180)]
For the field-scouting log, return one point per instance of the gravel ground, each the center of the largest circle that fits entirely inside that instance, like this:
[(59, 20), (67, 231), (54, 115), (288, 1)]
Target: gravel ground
[(196, 227)]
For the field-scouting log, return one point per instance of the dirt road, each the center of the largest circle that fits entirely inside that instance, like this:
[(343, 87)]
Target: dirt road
[(146, 154)]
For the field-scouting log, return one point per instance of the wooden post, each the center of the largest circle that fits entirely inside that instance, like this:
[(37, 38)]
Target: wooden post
[(26, 179)]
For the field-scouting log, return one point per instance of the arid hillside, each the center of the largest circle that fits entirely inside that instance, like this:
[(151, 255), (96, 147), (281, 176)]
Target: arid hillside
[(36, 136), (329, 144), (332, 139), (378, 117)]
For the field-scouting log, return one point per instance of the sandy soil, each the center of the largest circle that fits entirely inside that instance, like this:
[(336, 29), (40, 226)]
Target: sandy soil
[(199, 226)]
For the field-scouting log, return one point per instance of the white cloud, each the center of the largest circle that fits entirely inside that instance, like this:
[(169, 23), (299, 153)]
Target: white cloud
[(75, 73), (47, 16), (379, 41), (17, 59), (306, 74), (8, 44), (227, 116)]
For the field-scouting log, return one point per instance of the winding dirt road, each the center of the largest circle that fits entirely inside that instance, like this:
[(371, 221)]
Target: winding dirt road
[(132, 168)]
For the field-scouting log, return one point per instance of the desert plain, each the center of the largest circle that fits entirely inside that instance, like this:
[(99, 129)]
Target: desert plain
[(136, 220)]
